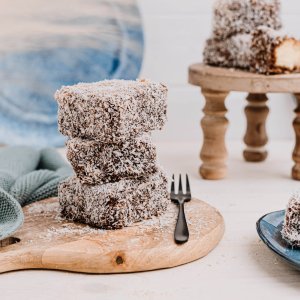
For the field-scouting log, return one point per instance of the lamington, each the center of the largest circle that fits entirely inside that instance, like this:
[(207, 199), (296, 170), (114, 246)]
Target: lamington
[(231, 17), (234, 52), (291, 226), (112, 110), (264, 51), (98, 163), (274, 52), (114, 205)]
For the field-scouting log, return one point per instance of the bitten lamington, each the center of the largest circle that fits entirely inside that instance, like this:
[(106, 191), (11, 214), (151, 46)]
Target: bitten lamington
[(291, 226), (265, 51), (111, 110), (98, 163), (243, 16), (274, 52), (114, 205)]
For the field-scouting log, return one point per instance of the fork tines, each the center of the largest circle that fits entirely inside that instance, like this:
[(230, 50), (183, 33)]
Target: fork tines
[(187, 193)]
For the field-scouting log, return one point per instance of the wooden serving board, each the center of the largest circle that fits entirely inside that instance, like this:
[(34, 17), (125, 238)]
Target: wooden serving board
[(49, 242)]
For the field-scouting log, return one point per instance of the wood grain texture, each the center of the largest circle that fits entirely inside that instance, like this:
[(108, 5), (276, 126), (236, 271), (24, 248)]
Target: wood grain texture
[(216, 83), (296, 152), (256, 136), (224, 79), (214, 124), (49, 242)]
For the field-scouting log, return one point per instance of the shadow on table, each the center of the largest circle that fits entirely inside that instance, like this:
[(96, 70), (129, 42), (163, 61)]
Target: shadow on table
[(270, 169), (273, 265)]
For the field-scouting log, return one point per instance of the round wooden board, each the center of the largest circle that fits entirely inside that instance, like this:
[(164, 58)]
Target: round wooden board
[(226, 79), (49, 242)]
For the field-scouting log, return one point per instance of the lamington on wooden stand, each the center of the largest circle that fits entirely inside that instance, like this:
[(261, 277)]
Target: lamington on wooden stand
[(274, 52), (264, 51), (117, 180), (247, 34), (232, 17)]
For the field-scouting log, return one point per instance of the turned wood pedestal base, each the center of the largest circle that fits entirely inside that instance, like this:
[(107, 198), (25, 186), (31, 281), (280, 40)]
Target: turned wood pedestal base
[(216, 84)]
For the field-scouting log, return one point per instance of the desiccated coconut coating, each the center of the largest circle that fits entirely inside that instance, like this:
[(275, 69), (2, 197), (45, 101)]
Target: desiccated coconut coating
[(274, 52), (234, 52), (264, 51), (114, 205), (243, 16), (291, 226), (111, 110), (97, 163)]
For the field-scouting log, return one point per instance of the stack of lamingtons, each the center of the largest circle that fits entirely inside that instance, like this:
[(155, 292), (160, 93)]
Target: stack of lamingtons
[(247, 34), (118, 181)]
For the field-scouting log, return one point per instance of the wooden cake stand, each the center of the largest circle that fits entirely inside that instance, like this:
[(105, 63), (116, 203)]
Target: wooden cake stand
[(216, 84)]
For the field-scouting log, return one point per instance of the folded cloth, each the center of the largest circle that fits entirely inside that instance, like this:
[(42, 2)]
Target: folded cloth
[(27, 175)]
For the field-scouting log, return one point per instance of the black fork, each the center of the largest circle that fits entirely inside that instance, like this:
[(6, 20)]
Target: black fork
[(181, 234)]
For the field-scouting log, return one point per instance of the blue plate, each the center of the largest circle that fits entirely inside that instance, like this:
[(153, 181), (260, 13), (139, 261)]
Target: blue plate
[(269, 230)]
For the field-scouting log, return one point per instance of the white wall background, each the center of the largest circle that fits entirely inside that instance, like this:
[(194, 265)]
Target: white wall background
[(175, 32)]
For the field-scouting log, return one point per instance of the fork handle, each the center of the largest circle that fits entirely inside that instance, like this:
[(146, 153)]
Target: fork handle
[(181, 234)]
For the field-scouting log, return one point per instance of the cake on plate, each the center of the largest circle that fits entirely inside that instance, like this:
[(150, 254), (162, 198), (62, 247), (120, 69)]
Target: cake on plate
[(291, 226)]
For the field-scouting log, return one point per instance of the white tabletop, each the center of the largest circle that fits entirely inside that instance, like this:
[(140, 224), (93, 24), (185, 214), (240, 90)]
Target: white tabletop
[(241, 267)]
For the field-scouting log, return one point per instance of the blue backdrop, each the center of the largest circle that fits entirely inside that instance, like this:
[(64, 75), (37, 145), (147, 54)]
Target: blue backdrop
[(60, 42)]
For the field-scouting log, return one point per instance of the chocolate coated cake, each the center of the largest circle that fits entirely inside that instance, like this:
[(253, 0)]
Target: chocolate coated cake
[(111, 110), (114, 205), (231, 17), (291, 226), (97, 163)]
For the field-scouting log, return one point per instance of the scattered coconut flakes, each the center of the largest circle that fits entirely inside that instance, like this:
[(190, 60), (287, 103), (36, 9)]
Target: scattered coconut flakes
[(43, 207), (164, 224)]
